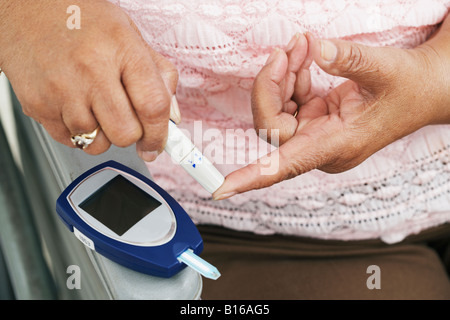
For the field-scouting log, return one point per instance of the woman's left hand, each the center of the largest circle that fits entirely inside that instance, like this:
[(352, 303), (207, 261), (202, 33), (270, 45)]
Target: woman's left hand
[(390, 93)]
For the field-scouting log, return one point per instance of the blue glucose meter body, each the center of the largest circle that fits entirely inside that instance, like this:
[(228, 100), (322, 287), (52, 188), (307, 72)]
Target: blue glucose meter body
[(129, 219)]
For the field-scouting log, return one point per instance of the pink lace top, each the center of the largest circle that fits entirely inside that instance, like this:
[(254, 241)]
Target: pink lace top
[(219, 46)]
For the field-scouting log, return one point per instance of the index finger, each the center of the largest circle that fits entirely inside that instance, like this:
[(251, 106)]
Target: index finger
[(151, 101), (298, 155)]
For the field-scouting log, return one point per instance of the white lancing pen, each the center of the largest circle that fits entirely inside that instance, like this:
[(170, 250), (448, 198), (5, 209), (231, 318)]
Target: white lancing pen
[(187, 155)]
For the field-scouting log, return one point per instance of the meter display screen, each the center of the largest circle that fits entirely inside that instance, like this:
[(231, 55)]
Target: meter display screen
[(119, 204)]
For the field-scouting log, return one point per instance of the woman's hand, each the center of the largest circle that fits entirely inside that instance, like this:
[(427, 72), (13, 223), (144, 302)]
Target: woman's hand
[(102, 75), (390, 93)]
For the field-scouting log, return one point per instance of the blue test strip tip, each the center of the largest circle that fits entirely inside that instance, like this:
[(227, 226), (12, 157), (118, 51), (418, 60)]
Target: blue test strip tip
[(200, 265)]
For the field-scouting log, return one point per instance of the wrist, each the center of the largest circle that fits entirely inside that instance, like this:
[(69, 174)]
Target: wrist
[(433, 76), (434, 56)]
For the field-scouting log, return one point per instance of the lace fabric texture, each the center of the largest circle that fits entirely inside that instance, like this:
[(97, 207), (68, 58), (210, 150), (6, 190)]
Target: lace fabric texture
[(219, 47)]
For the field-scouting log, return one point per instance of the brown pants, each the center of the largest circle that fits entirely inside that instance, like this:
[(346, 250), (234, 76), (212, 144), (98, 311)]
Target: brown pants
[(281, 267)]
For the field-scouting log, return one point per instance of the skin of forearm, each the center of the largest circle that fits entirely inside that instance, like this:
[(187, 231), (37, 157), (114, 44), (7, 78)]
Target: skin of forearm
[(435, 55), (14, 15), (22, 21), (5, 7)]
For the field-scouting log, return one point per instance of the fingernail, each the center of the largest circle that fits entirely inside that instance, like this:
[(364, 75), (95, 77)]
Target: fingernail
[(293, 41), (149, 156), (328, 50), (224, 195), (175, 114), (273, 55)]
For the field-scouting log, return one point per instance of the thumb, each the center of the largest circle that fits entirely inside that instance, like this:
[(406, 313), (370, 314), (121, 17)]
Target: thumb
[(363, 64)]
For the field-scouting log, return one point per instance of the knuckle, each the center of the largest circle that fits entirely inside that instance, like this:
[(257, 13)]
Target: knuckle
[(126, 136), (293, 166), (296, 167), (153, 104), (154, 144), (354, 60), (75, 123), (340, 166), (87, 60), (84, 58), (293, 169), (348, 157)]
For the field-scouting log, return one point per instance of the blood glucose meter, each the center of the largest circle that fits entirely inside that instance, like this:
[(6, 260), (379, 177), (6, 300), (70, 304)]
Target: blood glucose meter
[(129, 219)]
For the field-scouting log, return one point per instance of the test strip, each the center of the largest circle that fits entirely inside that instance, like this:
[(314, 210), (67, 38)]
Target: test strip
[(192, 260)]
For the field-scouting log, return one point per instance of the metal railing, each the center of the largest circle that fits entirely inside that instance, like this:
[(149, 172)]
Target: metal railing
[(29, 275)]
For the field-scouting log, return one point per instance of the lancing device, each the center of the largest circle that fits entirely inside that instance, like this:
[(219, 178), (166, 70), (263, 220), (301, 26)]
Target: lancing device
[(186, 154)]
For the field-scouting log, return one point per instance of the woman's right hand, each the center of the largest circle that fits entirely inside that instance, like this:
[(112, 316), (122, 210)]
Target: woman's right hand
[(101, 75)]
